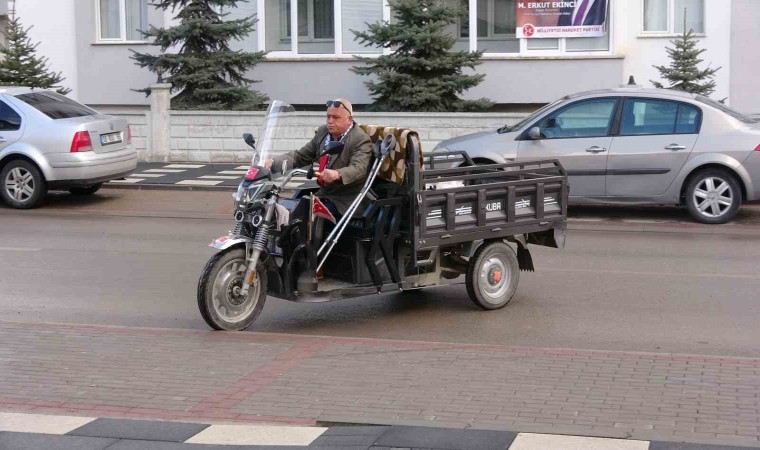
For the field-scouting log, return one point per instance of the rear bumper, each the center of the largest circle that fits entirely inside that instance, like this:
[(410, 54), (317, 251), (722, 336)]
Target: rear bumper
[(72, 169)]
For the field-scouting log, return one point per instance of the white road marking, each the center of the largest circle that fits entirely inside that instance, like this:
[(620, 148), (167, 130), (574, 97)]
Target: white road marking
[(529, 441), (199, 182), (41, 423), (184, 166), (233, 172), (164, 171), (151, 175), (128, 180), (256, 435), (242, 167), (220, 177)]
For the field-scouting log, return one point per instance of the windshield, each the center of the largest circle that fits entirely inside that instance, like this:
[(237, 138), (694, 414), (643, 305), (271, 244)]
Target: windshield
[(731, 112), (279, 134), (531, 117)]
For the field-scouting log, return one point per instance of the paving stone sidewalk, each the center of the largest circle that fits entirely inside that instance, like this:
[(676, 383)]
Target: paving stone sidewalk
[(183, 375)]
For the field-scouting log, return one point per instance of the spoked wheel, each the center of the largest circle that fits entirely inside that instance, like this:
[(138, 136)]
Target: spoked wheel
[(493, 275), (23, 186), (713, 196), (219, 299)]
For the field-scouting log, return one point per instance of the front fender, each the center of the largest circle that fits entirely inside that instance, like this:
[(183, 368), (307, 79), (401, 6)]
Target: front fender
[(225, 242)]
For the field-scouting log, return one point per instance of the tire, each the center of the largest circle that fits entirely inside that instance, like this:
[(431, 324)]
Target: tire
[(493, 275), (88, 190), (217, 302), (713, 196), (22, 185)]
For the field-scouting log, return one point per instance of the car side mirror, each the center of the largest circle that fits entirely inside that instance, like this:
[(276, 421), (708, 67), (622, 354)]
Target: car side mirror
[(248, 138), (535, 133), (334, 147)]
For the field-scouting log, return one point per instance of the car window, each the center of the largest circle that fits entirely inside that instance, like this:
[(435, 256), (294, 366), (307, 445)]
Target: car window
[(689, 119), (55, 106), (587, 118), (9, 119), (648, 116)]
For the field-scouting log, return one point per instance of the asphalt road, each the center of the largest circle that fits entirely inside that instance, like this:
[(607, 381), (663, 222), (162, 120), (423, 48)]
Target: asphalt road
[(133, 258)]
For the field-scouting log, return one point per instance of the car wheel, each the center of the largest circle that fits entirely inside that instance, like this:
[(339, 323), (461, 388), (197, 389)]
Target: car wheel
[(23, 186), (713, 196), (89, 190)]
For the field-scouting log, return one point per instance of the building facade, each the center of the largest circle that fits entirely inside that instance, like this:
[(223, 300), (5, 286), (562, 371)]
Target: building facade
[(90, 41)]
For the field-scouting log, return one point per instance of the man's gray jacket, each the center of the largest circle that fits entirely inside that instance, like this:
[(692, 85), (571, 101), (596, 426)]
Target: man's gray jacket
[(352, 163)]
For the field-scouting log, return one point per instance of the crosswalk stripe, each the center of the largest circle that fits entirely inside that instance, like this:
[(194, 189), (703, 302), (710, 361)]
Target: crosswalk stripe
[(233, 172), (164, 171), (531, 441), (128, 180), (199, 182), (220, 177), (258, 435), (184, 166), (41, 423), (242, 167), (151, 175)]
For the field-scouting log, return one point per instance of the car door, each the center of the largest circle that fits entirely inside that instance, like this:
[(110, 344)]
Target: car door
[(10, 125), (654, 141), (579, 136)]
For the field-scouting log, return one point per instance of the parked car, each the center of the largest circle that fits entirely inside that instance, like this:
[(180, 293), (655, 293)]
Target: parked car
[(50, 142), (637, 146)]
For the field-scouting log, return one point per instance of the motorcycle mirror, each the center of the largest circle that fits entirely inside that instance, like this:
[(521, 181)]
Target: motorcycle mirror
[(248, 138), (334, 147)]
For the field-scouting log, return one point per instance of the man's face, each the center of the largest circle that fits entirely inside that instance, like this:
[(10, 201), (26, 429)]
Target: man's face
[(338, 120)]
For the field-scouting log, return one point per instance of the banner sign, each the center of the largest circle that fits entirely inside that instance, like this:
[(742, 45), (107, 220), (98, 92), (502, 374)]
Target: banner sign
[(553, 19)]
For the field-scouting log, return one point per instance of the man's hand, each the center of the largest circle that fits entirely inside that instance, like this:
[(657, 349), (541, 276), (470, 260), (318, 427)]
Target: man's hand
[(327, 175), (268, 163)]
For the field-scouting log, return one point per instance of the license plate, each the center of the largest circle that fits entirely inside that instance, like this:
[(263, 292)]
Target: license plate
[(110, 138)]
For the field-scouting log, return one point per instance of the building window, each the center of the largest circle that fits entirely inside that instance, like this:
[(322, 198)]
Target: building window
[(122, 20), (316, 26), (667, 16)]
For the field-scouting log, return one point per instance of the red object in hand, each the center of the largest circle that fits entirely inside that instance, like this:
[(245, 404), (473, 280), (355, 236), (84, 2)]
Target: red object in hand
[(322, 165)]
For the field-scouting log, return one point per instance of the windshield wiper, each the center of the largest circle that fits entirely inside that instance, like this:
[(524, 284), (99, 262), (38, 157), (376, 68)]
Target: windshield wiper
[(504, 129)]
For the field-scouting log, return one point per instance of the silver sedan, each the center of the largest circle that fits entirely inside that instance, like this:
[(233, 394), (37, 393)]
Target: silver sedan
[(637, 146), (50, 142)]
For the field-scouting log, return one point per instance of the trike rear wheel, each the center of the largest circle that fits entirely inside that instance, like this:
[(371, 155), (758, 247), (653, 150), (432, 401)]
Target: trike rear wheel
[(492, 275)]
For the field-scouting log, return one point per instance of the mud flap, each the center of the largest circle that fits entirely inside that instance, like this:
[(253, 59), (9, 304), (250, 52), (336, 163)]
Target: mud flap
[(524, 259)]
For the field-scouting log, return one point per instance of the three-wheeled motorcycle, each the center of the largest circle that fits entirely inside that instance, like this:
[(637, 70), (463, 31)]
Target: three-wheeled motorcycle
[(419, 221)]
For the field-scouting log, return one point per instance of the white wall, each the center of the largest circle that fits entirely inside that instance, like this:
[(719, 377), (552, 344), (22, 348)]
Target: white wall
[(54, 26), (643, 52)]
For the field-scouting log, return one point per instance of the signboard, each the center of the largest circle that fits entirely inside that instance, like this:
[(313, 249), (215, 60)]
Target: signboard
[(553, 19)]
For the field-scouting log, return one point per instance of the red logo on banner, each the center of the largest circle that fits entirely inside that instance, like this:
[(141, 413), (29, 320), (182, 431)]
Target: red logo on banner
[(528, 30), (318, 209)]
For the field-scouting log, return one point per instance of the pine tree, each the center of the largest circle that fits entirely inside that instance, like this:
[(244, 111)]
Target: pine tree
[(684, 73), (205, 71), (20, 65), (421, 74)]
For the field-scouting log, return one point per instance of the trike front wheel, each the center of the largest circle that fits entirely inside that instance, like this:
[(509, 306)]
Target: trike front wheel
[(219, 299), (492, 275)]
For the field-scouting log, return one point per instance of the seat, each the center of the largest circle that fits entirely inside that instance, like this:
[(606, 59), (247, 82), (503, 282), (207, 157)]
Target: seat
[(379, 226)]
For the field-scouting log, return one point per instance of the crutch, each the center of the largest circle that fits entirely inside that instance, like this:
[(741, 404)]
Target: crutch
[(385, 147)]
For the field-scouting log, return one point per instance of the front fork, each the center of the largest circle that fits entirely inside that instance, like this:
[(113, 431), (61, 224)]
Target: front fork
[(258, 246)]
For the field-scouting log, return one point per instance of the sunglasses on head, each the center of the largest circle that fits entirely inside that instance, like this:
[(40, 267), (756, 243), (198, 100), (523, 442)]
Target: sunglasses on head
[(337, 104)]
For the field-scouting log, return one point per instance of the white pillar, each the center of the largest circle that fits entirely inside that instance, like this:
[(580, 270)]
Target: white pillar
[(160, 103)]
